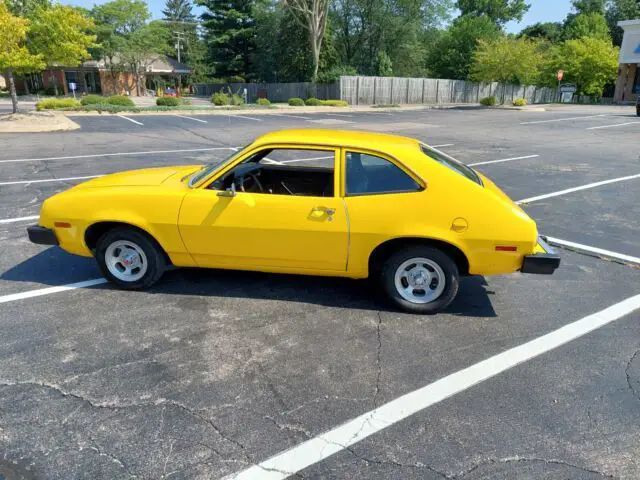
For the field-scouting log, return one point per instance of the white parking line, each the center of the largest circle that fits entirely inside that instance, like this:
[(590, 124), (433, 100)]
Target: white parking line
[(96, 155), (599, 252), (338, 114), (340, 438), (564, 119), (191, 118), (48, 291), (503, 160), (611, 126), (292, 116), (28, 182), (577, 189), (130, 119), (19, 219), (247, 118)]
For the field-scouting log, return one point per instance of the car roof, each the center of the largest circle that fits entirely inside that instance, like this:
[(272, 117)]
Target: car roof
[(337, 138)]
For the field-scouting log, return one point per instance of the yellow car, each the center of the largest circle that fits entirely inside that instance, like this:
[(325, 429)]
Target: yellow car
[(313, 202)]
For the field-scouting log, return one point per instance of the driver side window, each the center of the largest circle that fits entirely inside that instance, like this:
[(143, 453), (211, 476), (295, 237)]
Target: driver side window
[(283, 171)]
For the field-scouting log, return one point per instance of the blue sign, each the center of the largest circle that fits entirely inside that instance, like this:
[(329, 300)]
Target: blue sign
[(637, 50)]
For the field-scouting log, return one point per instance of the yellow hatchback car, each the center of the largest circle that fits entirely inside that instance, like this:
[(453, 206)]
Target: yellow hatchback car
[(313, 202)]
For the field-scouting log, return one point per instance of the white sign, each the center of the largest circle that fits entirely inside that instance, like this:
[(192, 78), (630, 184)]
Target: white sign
[(567, 97), (568, 88), (630, 50), (72, 86)]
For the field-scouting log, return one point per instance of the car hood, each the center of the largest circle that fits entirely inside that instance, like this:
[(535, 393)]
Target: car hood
[(140, 178)]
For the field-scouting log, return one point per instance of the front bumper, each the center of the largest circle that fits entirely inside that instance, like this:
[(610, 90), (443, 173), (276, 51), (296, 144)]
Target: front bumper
[(541, 263), (42, 235)]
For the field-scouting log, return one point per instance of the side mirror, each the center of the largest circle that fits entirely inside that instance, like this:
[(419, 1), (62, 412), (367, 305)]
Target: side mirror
[(229, 192)]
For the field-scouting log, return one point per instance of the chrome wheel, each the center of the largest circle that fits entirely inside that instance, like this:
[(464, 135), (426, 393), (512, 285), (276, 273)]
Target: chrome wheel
[(420, 280), (126, 261)]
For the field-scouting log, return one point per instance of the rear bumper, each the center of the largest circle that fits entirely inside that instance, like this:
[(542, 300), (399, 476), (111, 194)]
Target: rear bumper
[(541, 263), (42, 235)]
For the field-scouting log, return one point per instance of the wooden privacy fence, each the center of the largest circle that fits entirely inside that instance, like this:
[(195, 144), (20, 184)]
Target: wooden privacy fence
[(276, 92), (359, 90)]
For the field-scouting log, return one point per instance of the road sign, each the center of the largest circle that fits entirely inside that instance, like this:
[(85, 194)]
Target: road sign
[(560, 75), (72, 86), (568, 88)]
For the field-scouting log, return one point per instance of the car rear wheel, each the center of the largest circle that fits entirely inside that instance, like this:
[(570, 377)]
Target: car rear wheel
[(420, 279), (129, 258)]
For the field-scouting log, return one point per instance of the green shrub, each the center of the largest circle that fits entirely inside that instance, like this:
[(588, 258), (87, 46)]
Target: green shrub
[(296, 102), (312, 102), (334, 103), (4, 94), (237, 100), (167, 101), (334, 74), (263, 101), (56, 103), (519, 102), (93, 99), (220, 98), (488, 101), (121, 100), (236, 79)]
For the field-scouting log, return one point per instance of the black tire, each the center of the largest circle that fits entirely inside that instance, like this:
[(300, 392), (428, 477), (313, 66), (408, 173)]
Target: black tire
[(156, 263), (444, 261)]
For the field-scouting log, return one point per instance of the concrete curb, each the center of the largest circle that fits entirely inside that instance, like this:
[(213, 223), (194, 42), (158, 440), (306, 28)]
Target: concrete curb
[(37, 123)]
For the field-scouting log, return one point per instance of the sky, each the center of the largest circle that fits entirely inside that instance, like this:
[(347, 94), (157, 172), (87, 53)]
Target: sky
[(540, 11)]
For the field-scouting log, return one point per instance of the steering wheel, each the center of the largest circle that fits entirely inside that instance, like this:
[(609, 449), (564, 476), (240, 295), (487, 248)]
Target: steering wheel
[(251, 186)]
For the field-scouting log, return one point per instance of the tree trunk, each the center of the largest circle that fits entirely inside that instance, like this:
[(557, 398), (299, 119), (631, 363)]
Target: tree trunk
[(26, 85), (315, 53), (55, 84), (12, 91)]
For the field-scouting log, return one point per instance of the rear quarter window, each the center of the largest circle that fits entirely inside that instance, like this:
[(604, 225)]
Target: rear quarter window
[(451, 163)]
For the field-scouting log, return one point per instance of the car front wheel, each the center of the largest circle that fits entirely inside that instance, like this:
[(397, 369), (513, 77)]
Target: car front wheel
[(420, 279), (129, 258)]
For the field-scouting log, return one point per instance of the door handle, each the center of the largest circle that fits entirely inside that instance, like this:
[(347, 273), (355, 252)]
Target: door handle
[(328, 211)]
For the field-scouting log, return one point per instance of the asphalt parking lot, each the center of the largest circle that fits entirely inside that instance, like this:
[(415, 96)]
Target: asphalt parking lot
[(220, 374)]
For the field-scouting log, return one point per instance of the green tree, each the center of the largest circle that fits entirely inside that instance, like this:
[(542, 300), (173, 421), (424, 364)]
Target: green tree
[(27, 8), (588, 25), (618, 10), (311, 15), (405, 30), (590, 63), (384, 66), (453, 55), (178, 11), (500, 11), (62, 35), (140, 46), (230, 36), (551, 31), (507, 60), (14, 55), (116, 21), (589, 6)]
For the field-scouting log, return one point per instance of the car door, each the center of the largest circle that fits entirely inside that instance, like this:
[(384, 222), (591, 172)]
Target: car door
[(383, 203), (267, 231)]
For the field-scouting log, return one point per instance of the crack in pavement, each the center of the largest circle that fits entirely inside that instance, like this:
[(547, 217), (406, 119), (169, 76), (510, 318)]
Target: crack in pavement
[(515, 459), (378, 364), (628, 375), (116, 406), (102, 453)]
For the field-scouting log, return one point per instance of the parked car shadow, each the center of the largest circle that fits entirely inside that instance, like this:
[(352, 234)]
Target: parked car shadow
[(56, 267)]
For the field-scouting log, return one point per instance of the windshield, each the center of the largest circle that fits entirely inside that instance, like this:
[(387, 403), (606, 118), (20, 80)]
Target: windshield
[(212, 167), (451, 163)]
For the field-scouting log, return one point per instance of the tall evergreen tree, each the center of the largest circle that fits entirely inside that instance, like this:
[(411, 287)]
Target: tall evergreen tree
[(229, 32), (178, 11)]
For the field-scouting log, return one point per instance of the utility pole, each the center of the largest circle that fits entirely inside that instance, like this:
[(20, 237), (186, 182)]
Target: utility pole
[(179, 38)]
